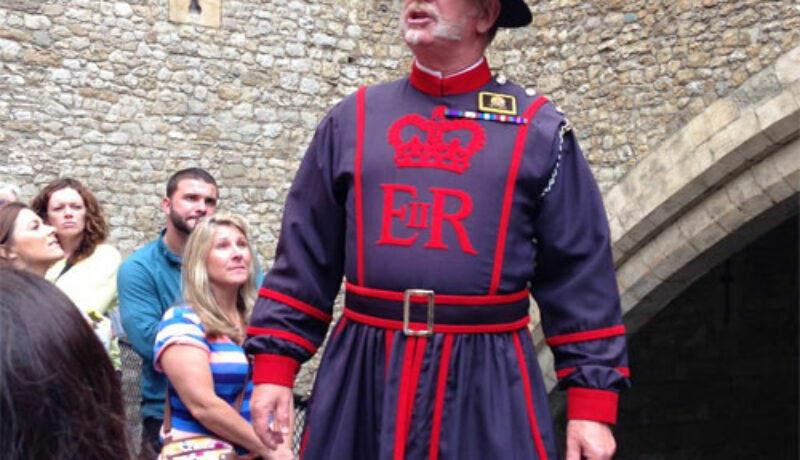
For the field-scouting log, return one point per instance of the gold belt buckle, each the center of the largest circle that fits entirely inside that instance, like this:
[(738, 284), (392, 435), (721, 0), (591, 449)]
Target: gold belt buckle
[(427, 332)]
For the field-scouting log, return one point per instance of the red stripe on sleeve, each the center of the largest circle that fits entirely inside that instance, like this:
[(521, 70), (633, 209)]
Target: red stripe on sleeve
[(283, 335), (584, 336), (561, 373), (276, 369), (519, 145), (591, 404), (296, 304)]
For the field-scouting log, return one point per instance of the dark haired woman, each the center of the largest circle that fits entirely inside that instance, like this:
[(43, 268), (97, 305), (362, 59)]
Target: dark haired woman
[(59, 395), (88, 272), (26, 243)]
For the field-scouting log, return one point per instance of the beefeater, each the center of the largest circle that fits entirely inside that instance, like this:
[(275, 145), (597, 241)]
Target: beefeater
[(444, 199)]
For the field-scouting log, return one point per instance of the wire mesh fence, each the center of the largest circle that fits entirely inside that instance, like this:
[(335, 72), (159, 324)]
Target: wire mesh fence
[(131, 371)]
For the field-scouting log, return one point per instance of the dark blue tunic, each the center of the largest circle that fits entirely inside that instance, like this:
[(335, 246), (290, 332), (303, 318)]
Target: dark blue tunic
[(393, 195)]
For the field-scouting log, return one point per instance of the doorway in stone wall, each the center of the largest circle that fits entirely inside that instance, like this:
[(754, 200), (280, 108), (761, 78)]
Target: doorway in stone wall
[(715, 373)]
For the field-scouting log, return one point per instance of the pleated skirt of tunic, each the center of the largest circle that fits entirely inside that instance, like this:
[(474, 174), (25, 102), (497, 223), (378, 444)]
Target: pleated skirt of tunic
[(380, 394)]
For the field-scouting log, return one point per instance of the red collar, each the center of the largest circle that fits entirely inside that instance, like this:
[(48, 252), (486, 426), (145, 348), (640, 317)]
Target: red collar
[(457, 84)]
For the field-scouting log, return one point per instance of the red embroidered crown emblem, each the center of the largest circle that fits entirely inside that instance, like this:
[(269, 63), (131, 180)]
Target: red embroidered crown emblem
[(435, 143)]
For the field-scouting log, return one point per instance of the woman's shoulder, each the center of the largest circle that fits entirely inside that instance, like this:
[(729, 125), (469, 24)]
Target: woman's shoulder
[(107, 253), (182, 311), (55, 270)]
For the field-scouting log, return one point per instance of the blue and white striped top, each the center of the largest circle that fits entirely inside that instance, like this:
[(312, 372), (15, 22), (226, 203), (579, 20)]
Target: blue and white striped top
[(228, 362)]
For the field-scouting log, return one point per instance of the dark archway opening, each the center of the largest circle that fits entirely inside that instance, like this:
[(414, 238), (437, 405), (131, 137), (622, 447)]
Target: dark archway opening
[(715, 373)]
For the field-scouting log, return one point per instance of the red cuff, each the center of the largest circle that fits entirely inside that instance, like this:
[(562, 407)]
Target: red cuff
[(590, 404), (276, 369)]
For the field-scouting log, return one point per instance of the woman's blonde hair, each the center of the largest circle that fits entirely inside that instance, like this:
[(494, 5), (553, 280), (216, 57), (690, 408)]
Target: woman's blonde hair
[(196, 285)]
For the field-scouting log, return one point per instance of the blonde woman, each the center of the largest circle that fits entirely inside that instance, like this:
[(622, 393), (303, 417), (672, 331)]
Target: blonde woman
[(198, 345)]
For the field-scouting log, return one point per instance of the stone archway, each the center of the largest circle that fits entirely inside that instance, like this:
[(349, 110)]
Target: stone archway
[(680, 211), (725, 178)]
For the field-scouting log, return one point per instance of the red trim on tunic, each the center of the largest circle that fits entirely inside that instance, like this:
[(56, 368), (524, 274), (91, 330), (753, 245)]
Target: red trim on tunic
[(389, 340), (277, 369), (584, 336), (283, 335), (591, 404), (561, 373), (441, 383), (437, 328), (294, 303), (357, 184), (303, 444), (339, 327), (409, 378), (470, 80), (440, 299), (516, 158), (526, 385)]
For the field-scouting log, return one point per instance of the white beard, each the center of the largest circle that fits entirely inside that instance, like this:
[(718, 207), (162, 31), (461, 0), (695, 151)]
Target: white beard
[(444, 29)]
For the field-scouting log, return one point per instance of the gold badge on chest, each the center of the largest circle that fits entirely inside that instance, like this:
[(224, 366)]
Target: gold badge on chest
[(497, 103)]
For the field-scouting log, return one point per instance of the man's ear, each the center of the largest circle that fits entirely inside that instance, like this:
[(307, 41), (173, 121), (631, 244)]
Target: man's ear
[(7, 253), (165, 204), (488, 16)]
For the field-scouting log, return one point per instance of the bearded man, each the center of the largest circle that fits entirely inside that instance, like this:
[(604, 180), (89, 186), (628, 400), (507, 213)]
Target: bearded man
[(149, 281), (442, 197)]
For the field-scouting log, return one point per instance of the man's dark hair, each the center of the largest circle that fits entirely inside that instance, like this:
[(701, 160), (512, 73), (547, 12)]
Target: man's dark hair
[(59, 394), (188, 173)]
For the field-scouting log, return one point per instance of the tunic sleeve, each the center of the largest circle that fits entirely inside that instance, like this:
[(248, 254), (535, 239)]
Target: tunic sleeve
[(576, 289), (293, 312)]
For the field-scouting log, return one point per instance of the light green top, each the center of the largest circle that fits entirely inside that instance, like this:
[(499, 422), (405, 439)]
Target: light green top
[(91, 285)]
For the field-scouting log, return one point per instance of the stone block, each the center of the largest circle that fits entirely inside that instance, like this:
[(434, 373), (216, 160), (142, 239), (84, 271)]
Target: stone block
[(747, 195), (614, 201), (629, 273), (718, 115), (739, 142), (723, 211), (788, 162), (780, 117), (771, 179), (699, 229), (615, 228), (787, 67), (681, 184)]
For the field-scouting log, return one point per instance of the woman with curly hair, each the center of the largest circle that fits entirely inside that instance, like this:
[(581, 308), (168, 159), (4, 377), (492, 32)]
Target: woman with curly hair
[(88, 272)]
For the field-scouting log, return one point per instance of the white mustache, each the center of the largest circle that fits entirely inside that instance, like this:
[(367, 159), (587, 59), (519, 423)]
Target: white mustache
[(427, 8)]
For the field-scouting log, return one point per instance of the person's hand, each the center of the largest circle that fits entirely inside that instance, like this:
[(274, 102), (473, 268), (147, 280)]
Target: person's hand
[(590, 440), (102, 329), (284, 452), (272, 409)]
